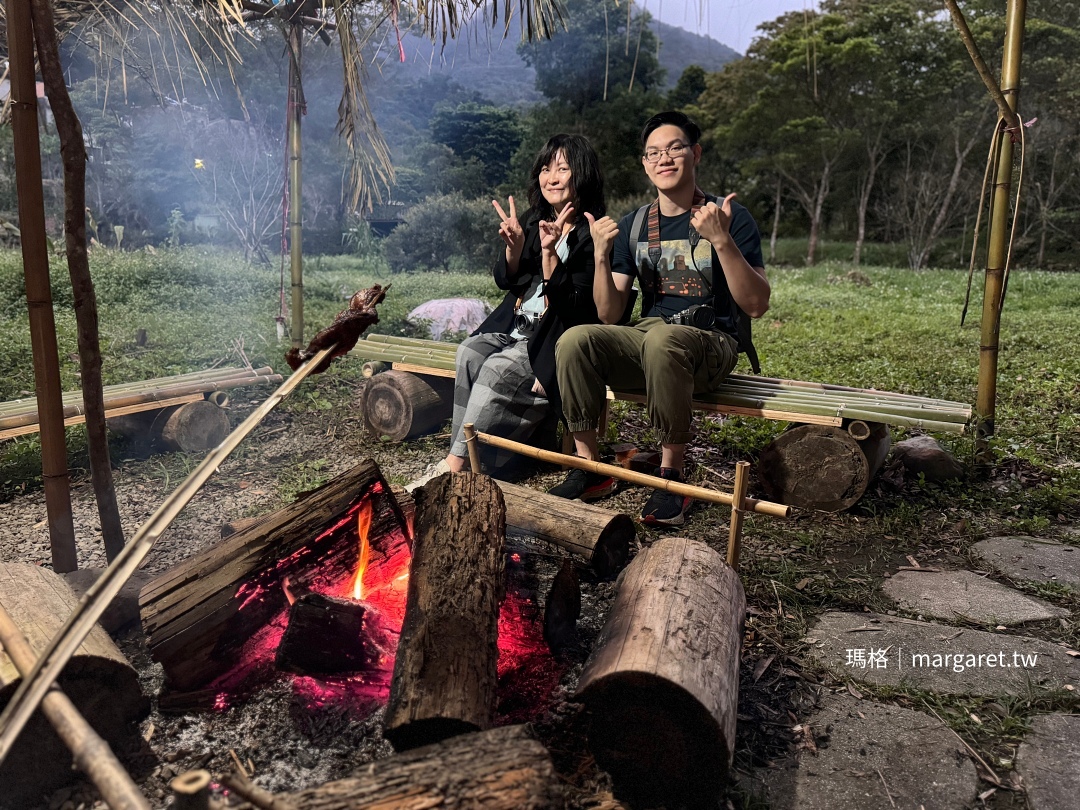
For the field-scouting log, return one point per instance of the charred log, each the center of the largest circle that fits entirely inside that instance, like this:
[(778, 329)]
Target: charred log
[(445, 673), (328, 635), (661, 687), (562, 608)]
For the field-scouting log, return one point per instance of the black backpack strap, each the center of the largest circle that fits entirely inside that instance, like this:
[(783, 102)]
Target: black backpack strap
[(743, 322), (635, 238)]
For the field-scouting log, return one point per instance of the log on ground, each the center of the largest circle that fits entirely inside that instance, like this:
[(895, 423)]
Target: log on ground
[(99, 681), (401, 406), (192, 427), (661, 687), (500, 769), (198, 614), (445, 673), (820, 467)]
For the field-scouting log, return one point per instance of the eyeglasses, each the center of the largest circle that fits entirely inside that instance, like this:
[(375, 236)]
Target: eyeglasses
[(675, 151)]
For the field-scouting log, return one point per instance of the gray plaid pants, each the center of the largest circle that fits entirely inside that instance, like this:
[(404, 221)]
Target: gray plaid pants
[(493, 390)]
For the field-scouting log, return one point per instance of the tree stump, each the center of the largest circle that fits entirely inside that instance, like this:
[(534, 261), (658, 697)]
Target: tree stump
[(192, 427), (662, 685), (500, 769), (445, 674), (401, 406), (821, 467), (99, 681)]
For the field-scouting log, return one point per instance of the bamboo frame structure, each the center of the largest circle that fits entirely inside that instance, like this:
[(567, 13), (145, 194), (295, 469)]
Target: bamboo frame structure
[(470, 444), (738, 508), (623, 474), (97, 598), (27, 148), (92, 754)]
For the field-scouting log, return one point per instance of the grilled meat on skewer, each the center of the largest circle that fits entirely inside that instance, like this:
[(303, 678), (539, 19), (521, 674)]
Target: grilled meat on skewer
[(344, 331)]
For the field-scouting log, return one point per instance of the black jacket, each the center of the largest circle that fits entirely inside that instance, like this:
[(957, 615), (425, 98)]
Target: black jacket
[(569, 294)]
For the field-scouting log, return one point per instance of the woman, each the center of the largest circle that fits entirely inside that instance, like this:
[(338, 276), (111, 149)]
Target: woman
[(505, 382)]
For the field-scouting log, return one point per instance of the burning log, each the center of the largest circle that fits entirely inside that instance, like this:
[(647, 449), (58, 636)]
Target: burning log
[(662, 684), (445, 673), (403, 406), (99, 682), (596, 535), (562, 608), (199, 614), (500, 769), (343, 333), (823, 467), (328, 635), (192, 427)]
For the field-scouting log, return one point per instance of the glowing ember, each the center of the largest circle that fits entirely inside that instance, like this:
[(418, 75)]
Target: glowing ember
[(363, 527)]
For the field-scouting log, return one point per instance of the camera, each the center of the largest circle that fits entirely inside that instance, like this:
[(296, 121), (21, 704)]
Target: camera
[(700, 316), (525, 321)]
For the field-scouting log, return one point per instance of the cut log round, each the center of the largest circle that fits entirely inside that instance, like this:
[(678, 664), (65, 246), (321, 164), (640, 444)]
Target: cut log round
[(662, 685), (99, 681), (402, 406), (815, 467), (500, 769), (198, 615), (192, 427), (445, 673)]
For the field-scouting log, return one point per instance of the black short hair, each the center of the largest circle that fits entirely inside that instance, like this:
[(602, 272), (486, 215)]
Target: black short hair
[(584, 171), (675, 119)]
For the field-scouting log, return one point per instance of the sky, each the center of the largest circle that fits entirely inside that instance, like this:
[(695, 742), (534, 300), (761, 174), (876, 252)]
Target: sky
[(732, 22)]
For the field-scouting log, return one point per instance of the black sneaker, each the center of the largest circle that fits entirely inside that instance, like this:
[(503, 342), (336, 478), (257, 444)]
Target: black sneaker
[(583, 485), (663, 507)]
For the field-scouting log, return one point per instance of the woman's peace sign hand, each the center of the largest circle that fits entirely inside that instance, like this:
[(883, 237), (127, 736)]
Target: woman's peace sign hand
[(510, 230), (551, 232)]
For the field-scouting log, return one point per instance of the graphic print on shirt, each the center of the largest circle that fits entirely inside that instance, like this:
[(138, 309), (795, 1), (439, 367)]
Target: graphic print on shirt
[(676, 268)]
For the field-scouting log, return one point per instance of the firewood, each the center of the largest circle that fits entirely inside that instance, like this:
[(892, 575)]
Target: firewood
[(99, 682), (327, 635), (401, 406), (500, 769), (198, 614), (562, 608), (661, 687), (445, 673), (192, 427)]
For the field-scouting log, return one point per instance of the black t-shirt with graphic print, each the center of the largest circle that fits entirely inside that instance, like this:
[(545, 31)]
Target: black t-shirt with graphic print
[(685, 272)]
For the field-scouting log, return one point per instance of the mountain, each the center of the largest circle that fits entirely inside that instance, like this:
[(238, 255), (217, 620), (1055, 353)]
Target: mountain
[(483, 62)]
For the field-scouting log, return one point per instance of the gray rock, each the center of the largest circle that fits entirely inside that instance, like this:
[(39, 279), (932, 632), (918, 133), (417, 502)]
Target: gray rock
[(966, 595), (873, 755), (1047, 762), (915, 656), (124, 609), (1032, 559), (922, 454)]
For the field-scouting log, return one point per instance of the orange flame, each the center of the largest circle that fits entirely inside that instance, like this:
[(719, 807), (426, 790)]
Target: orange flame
[(363, 520)]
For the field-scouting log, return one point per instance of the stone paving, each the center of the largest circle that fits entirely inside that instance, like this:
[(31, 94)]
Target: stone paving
[(1030, 559), (966, 596), (1047, 762)]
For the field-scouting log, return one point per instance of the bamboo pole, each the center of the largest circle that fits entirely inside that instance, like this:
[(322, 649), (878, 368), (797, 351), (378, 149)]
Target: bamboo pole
[(738, 507), (296, 210), (1005, 110), (470, 445), (623, 474), (92, 754), (27, 148), (96, 599), (997, 242)]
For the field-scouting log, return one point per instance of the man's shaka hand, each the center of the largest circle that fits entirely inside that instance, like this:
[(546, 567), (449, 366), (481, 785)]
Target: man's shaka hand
[(603, 233), (713, 221)]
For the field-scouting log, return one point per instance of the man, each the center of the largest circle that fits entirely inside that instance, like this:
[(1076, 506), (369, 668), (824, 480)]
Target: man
[(688, 251)]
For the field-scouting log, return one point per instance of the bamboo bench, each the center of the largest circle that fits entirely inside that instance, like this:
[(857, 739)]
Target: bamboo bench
[(847, 426), (20, 416)]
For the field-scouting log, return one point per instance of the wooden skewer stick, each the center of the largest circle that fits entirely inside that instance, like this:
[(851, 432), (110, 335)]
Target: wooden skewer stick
[(698, 493), (92, 754), (470, 443), (263, 799), (94, 602), (738, 507)]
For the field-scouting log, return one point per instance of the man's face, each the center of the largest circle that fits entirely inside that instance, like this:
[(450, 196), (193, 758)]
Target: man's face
[(668, 171)]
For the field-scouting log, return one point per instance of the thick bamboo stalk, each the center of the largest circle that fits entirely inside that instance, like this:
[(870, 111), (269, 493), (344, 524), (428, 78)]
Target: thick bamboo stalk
[(93, 603), (407, 341), (623, 474), (22, 430), (92, 754), (54, 469), (738, 507), (997, 241), (472, 447), (1005, 110), (296, 210)]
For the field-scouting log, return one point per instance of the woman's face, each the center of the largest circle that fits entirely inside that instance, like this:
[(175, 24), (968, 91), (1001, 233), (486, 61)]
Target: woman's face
[(556, 182)]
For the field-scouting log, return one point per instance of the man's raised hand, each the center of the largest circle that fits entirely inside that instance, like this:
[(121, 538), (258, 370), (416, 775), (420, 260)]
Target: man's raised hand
[(603, 232), (713, 221), (551, 232), (510, 229)]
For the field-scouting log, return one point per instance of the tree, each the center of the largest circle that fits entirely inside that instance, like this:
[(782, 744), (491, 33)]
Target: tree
[(480, 132), (688, 88)]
